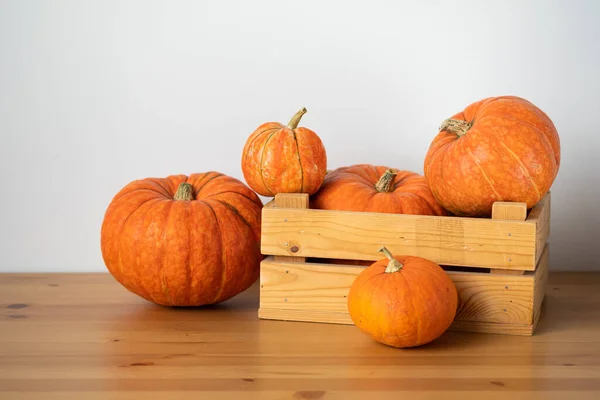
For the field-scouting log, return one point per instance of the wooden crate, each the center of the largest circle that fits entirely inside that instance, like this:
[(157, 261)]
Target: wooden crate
[(499, 265)]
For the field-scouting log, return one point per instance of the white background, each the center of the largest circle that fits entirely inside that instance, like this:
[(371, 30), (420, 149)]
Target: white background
[(94, 94)]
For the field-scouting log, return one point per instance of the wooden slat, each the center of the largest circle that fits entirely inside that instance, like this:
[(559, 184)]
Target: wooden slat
[(307, 286), (317, 292), (509, 211), (327, 317), (475, 242), (291, 200)]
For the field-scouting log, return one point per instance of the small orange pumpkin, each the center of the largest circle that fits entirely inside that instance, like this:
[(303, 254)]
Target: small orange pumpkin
[(403, 301), (284, 159), (184, 241), (370, 188)]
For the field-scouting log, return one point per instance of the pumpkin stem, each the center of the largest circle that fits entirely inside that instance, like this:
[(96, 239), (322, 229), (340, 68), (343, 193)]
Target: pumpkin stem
[(457, 126), (185, 191), (296, 119), (394, 265), (385, 184)]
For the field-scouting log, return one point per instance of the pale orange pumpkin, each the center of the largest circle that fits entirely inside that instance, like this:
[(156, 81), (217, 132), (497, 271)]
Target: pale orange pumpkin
[(403, 301)]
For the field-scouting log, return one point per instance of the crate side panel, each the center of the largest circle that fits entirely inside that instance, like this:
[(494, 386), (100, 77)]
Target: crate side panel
[(475, 242)]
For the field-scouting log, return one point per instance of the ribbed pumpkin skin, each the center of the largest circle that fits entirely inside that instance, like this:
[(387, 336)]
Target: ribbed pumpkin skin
[(407, 308), (511, 153), (277, 159), (184, 253), (352, 188)]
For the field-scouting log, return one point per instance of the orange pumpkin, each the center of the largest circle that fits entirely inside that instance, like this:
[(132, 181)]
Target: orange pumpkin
[(497, 149), (184, 241), (365, 187), (403, 301), (284, 159)]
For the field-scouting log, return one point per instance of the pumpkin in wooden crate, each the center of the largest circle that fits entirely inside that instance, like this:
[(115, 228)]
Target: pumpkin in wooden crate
[(284, 159), (184, 241), (370, 188), (403, 301), (497, 149)]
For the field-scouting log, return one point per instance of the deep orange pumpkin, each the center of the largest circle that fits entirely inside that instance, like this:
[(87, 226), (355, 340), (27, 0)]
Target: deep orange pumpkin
[(403, 301), (184, 241), (284, 159), (369, 188), (497, 149)]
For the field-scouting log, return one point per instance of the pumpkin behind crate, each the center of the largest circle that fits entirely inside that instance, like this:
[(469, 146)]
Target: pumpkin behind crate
[(184, 241), (284, 159), (371, 188)]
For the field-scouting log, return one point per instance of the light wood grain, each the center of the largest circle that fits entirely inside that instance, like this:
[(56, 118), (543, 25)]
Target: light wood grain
[(291, 200), (540, 216), (476, 242), (509, 211), (85, 337), (501, 303)]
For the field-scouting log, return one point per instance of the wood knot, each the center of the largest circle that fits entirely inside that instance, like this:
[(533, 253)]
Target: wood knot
[(294, 249), (309, 394), (142, 364), (16, 306)]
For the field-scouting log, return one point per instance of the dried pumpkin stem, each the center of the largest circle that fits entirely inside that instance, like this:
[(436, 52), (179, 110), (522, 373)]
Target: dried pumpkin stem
[(394, 265), (385, 184), (457, 126), (296, 119), (185, 192)]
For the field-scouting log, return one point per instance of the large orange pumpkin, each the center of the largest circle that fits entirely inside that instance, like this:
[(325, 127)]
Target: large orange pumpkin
[(284, 159), (497, 149), (370, 188), (403, 301), (184, 241)]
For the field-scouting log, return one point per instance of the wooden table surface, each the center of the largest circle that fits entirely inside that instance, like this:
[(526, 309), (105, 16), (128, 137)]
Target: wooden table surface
[(82, 336)]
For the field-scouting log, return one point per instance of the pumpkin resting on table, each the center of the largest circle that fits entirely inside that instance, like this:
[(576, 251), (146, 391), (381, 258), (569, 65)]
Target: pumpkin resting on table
[(403, 301), (497, 149), (284, 159), (184, 241), (369, 188)]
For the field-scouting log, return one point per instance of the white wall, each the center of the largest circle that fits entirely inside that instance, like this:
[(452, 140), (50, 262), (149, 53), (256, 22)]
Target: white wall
[(94, 94)]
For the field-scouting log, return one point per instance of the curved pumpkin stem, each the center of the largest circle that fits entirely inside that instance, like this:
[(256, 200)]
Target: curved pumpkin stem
[(185, 192), (457, 126), (385, 184), (394, 265), (296, 119)]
